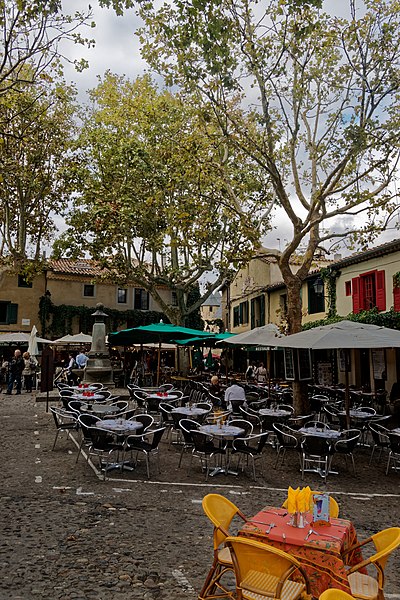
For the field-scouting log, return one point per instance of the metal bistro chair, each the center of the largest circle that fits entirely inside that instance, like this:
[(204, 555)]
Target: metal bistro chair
[(347, 444), (380, 439), (64, 421), (205, 449), (394, 452), (186, 427), (316, 455), (147, 444), (250, 447), (286, 441), (85, 421)]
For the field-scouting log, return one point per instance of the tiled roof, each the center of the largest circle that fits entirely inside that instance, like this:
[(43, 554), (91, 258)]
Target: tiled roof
[(86, 267), (381, 250)]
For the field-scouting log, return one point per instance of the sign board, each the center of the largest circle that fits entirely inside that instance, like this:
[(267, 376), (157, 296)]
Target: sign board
[(379, 363), (25, 322), (47, 370)]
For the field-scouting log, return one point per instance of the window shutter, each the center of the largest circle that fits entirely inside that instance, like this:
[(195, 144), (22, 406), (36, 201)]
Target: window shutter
[(396, 298), (12, 314), (253, 314), (380, 290), (262, 310), (355, 284)]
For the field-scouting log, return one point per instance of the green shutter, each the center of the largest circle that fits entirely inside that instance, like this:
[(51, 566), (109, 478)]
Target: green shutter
[(12, 314), (262, 310), (253, 314)]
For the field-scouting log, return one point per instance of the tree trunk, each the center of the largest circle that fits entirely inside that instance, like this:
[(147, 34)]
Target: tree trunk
[(301, 403)]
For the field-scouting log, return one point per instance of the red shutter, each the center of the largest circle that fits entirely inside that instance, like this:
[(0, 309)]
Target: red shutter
[(380, 290), (396, 298), (355, 285)]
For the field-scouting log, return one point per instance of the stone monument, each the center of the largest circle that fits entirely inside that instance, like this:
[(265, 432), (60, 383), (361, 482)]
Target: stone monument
[(98, 367)]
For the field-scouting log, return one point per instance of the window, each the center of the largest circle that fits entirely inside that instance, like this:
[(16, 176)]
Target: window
[(23, 283), (88, 290), (8, 313), (369, 291), (141, 299), (316, 299), (257, 311), (174, 299), (236, 316), (122, 296), (347, 287), (244, 312)]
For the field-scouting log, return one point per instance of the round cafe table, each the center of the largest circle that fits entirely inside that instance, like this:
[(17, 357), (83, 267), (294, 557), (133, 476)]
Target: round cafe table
[(120, 426), (81, 388), (87, 399), (222, 431), (100, 410), (274, 412), (191, 412)]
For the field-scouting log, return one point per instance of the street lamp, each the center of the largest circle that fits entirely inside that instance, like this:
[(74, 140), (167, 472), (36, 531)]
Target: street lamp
[(318, 286)]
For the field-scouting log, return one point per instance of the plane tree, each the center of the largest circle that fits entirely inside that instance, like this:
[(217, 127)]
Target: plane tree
[(36, 133), (151, 204), (322, 94)]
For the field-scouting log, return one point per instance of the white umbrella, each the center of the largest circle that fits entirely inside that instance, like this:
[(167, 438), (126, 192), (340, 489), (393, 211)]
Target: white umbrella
[(266, 336), (33, 347), (78, 338), (20, 338), (344, 334)]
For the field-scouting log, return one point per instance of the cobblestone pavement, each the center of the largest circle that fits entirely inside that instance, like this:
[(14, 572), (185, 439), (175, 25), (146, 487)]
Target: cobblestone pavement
[(68, 535)]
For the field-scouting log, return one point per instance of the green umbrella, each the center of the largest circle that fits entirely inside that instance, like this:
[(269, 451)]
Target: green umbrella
[(209, 338), (156, 332)]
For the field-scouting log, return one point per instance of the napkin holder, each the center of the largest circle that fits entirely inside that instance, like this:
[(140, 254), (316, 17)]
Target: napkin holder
[(298, 520)]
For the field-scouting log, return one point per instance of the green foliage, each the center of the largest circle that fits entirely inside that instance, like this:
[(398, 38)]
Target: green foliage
[(329, 277), (389, 319), (155, 193), (57, 321), (194, 320), (396, 279)]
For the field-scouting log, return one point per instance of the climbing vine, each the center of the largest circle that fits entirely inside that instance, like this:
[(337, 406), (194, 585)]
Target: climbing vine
[(57, 320), (396, 280), (389, 319), (329, 277)]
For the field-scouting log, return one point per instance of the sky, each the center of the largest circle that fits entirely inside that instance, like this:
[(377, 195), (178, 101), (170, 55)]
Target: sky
[(117, 50)]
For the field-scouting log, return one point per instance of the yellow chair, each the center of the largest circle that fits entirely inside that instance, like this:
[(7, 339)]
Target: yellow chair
[(335, 595), (365, 587), (263, 571), (221, 512), (333, 505)]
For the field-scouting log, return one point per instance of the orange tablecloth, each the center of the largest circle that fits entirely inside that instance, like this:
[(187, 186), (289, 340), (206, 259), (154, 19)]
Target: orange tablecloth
[(321, 557)]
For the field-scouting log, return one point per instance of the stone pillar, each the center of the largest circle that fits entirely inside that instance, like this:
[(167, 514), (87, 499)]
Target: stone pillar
[(98, 367)]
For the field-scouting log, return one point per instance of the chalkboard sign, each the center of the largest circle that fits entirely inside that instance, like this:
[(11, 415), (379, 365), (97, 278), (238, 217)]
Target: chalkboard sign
[(289, 363), (304, 364)]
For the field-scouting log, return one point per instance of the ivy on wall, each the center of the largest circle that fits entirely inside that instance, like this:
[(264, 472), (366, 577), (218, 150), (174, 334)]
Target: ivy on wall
[(396, 280), (57, 320), (329, 277), (389, 319)]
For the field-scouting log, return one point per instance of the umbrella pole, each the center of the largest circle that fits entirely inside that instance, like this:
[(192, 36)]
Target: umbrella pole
[(347, 390), (158, 362)]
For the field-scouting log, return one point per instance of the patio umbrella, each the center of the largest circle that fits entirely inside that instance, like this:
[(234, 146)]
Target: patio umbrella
[(20, 338), (266, 336), (344, 335), (208, 339), (33, 347), (156, 332), (78, 338)]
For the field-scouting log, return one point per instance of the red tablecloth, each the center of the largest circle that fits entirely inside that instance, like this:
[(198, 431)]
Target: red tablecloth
[(321, 557)]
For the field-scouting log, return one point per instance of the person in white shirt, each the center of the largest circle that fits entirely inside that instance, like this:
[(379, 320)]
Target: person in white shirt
[(234, 392), (81, 360)]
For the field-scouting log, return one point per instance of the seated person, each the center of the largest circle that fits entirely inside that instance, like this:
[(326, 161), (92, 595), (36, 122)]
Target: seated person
[(234, 392), (216, 392)]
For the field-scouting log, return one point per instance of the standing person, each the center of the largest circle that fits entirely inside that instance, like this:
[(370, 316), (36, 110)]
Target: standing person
[(72, 378), (28, 371), (15, 372), (261, 374), (81, 359)]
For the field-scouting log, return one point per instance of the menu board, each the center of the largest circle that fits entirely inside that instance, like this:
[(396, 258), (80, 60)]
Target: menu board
[(324, 373), (304, 364), (289, 363), (379, 363)]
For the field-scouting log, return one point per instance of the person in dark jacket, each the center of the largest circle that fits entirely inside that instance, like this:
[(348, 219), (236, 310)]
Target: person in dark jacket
[(16, 367)]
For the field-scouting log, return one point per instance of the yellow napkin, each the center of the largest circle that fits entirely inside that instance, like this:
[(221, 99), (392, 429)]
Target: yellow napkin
[(302, 500), (309, 499), (292, 500)]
